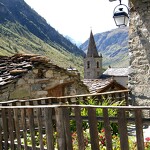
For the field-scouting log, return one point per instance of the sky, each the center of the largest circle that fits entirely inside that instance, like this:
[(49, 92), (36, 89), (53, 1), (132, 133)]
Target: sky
[(76, 18)]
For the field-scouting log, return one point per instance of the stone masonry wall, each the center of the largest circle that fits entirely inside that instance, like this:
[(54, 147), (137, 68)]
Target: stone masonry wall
[(36, 85), (139, 51)]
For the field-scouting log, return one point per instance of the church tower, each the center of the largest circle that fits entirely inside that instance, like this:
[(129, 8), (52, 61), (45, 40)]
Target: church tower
[(92, 61)]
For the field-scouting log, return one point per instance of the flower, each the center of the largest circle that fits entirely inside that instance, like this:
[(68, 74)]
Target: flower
[(147, 139)]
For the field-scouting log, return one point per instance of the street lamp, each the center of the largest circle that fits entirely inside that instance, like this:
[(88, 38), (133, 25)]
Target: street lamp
[(121, 17)]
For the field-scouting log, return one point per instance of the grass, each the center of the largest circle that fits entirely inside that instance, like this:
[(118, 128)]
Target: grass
[(15, 38)]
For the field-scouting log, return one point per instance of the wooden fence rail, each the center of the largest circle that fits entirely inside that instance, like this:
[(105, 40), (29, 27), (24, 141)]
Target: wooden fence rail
[(113, 96), (31, 127)]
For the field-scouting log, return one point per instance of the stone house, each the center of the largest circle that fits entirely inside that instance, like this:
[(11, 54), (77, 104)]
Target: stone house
[(120, 75), (27, 76), (103, 85)]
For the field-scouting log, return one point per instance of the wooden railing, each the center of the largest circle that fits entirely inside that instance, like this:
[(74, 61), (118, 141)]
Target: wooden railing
[(21, 120), (18, 122), (112, 96)]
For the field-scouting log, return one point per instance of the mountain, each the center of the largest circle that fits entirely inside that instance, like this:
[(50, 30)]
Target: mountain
[(113, 45), (22, 30), (77, 43)]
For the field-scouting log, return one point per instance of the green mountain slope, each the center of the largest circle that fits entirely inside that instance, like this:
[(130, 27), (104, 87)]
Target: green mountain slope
[(22, 30), (113, 45)]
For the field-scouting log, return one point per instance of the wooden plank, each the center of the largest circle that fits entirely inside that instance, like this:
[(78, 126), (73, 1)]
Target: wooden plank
[(60, 129), (1, 136), (80, 136), (17, 128), (24, 128), (122, 124), (107, 128), (93, 129), (67, 129), (120, 96), (30, 102), (139, 129), (11, 129), (49, 128), (5, 128), (31, 126), (126, 98), (39, 121)]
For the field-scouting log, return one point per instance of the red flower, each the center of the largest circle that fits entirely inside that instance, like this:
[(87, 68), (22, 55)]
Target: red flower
[(101, 137), (147, 139)]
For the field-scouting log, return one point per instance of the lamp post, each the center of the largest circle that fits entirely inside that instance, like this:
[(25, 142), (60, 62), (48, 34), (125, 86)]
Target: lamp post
[(121, 17)]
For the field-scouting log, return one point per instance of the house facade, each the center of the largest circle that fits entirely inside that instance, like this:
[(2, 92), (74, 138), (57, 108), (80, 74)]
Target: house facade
[(26, 76)]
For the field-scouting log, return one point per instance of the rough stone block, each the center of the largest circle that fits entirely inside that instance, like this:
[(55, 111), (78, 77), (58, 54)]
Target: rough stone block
[(49, 74), (36, 87), (20, 93)]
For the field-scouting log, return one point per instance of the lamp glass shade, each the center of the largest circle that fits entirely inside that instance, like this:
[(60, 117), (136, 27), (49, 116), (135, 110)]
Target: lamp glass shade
[(121, 18)]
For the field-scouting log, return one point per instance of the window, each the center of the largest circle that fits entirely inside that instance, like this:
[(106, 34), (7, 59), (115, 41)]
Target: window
[(97, 64), (88, 64)]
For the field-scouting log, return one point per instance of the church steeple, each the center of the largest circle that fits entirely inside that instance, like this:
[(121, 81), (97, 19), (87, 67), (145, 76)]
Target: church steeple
[(92, 50), (92, 61)]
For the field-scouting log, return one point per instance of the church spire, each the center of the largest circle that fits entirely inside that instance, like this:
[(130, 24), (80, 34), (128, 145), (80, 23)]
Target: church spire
[(92, 61), (92, 50)]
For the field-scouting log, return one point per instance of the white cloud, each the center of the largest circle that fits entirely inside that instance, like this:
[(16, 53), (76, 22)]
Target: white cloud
[(75, 17)]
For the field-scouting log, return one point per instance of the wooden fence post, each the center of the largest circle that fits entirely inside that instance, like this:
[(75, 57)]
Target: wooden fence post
[(80, 136), (39, 122), (24, 127), (60, 129), (139, 129), (93, 128), (31, 126), (122, 123), (49, 128), (107, 128), (5, 128), (1, 136), (67, 129), (11, 128), (17, 128)]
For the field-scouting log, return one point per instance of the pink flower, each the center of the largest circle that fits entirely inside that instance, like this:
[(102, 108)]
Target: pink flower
[(147, 139)]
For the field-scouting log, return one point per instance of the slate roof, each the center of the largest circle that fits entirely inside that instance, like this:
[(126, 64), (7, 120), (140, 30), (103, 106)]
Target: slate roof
[(16, 66), (120, 72), (101, 85)]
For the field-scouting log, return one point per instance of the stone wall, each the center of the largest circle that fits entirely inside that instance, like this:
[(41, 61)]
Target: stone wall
[(139, 51), (43, 82)]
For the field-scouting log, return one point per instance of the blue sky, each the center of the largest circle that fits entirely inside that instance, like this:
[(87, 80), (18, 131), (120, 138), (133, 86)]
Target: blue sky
[(75, 18)]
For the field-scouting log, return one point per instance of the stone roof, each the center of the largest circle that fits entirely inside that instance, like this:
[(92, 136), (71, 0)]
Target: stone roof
[(116, 72), (92, 50), (16, 66), (101, 85)]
